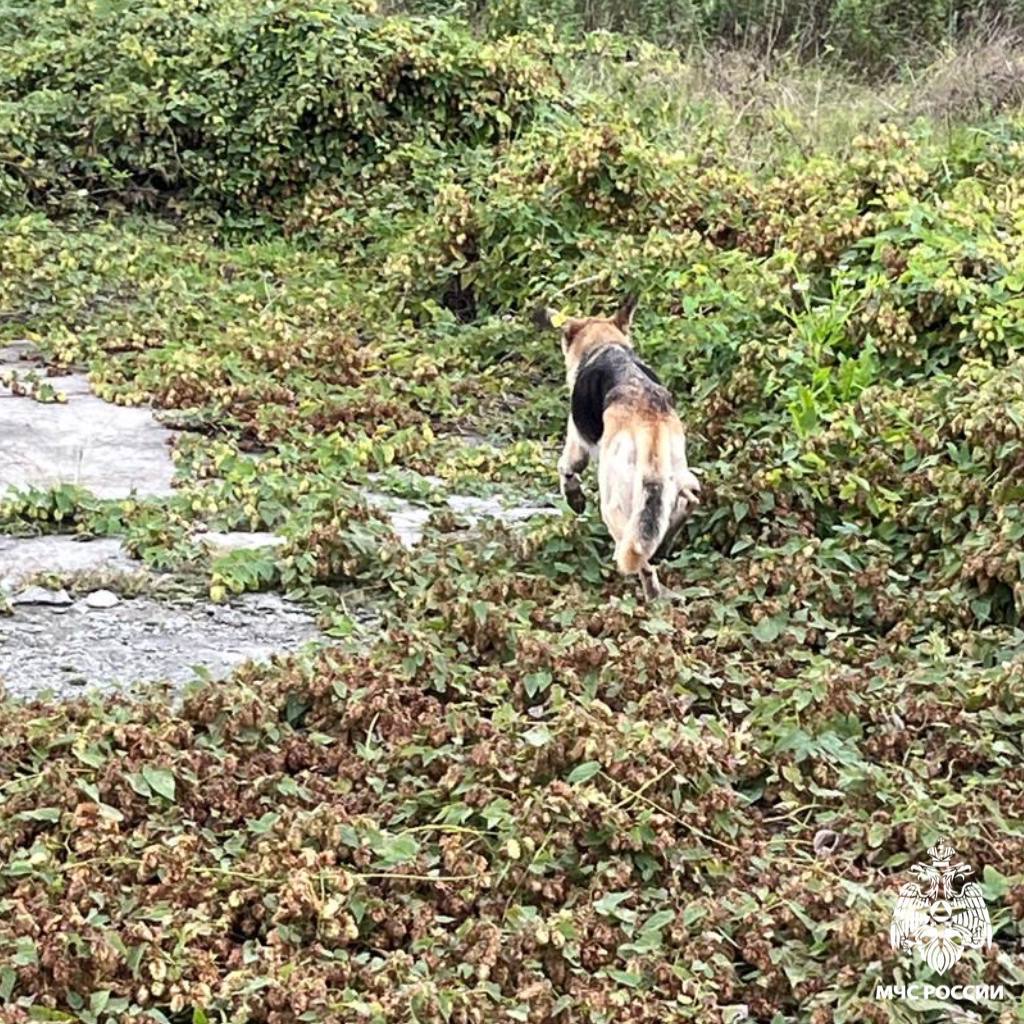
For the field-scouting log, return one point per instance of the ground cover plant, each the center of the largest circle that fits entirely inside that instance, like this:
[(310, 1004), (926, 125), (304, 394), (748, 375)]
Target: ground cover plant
[(311, 235)]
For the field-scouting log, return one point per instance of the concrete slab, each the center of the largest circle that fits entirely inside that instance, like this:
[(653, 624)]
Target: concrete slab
[(408, 519), (223, 543), (69, 650), (110, 450), (22, 557), (475, 509)]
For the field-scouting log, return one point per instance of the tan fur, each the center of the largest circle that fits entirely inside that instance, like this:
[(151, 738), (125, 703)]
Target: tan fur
[(638, 444)]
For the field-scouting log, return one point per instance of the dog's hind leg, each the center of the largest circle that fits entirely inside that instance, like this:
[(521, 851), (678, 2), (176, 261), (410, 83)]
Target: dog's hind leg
[(687, 496), (649, 582), (675, 526)]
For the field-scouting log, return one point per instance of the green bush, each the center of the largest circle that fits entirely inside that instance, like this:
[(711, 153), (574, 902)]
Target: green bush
[(239, 105)]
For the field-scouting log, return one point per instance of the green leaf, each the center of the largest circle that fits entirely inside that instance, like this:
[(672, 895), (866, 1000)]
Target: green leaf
[(877, 834), (538, 736), (536, 681), (89, 789), (134, 958), (996, 884), (658, 921), (110, 813), (138, 783), (25, 953), (397, 849), (160, 781), (288, 787), (262, 825), (45, 1013), (769, 629), (91, 755), (608, 904), (583, 772), (50, 814), (627, 978)]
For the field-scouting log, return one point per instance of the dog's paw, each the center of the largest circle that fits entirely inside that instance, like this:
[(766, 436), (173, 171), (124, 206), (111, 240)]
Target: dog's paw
[(689, 489), (573, 494)]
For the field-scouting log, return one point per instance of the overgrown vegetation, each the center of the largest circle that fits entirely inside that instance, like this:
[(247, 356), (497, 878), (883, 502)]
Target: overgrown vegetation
[(864, 36), (309, 235)]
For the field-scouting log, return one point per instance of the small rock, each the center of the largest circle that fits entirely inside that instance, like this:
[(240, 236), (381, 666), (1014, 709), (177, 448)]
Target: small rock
[(102, 599), (40, 595), (222, 543), (826, 842)]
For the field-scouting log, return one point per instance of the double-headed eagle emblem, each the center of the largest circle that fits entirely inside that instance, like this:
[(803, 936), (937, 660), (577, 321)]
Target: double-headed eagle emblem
[(942, 915)]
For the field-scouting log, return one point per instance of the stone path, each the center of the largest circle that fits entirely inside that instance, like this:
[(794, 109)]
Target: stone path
[(408, 520), (57, 643), (24, 557), (70, 648), (53, 642), (108, 449)]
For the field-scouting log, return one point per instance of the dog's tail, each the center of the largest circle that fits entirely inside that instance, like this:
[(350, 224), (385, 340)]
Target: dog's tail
[(654, 497)]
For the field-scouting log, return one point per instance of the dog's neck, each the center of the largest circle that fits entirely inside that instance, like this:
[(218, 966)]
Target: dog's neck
[(575, 358), (572, 367)]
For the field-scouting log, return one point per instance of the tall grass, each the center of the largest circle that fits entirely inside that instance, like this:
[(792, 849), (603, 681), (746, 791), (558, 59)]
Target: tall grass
[(764, 112), (865, 36)]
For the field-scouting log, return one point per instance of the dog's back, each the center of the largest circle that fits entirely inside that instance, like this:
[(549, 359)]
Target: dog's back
[(608, 374)]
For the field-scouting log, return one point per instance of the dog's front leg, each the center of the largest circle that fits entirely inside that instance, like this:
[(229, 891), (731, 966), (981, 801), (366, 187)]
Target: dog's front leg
[(575, 457)]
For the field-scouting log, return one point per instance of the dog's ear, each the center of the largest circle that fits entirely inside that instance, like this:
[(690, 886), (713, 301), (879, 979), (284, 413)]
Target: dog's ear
[(623, 318), (546, 318)]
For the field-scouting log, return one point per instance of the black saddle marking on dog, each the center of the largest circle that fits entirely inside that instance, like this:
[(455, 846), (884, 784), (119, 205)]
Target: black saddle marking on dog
[(604, 377)]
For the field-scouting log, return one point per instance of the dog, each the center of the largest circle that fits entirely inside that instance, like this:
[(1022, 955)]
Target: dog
[(621, 413)]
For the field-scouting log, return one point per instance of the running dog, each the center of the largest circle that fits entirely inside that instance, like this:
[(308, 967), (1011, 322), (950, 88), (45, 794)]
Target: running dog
[(621, 413)]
